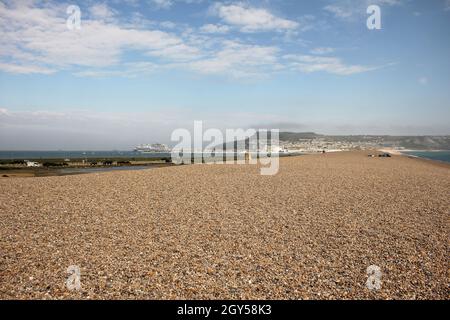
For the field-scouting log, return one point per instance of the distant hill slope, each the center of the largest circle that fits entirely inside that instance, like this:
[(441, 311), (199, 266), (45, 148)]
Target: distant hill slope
[(407, 142), (295, 136)]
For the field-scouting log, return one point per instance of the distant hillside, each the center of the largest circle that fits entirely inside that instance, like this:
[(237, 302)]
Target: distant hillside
[(295, 136), (407, 142), (423, 142)]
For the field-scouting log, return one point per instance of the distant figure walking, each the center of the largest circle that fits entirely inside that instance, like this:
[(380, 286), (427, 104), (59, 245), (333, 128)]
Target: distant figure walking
[(248, 157)]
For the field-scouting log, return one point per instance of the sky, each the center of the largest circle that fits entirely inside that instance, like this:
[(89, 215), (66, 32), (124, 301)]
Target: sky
[(136, 70)]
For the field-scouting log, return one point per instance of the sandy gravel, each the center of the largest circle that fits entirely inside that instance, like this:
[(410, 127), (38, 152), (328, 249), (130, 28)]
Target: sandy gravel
[(225, 231)]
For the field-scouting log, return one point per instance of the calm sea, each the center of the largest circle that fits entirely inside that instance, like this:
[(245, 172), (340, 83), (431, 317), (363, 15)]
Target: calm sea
[(432, 155), (35, 155)]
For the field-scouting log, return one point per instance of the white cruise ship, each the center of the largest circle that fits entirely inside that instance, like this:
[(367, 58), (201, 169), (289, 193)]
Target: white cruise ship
[(152, 148)]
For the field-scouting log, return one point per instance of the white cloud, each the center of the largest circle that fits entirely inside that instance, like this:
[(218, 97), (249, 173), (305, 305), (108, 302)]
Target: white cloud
[(333, 65), (127, 70), (24, 69), (37, 37), (214, 28), (162, 4), (388, 2), (167, 4), (338, 11), (168, 24), (349, 9), (36, 40), (180, 52), (447, 5), (322, 50), (251, 19), (101, 11), (240, 61)]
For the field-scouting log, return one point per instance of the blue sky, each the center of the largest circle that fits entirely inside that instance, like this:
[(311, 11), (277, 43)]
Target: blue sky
[(136, 70)]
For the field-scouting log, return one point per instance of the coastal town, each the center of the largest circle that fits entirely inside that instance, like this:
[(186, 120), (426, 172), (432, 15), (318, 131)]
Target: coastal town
[(323, 144)]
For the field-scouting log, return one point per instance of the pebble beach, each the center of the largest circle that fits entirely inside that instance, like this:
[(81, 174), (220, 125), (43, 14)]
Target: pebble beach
[(227, 232)]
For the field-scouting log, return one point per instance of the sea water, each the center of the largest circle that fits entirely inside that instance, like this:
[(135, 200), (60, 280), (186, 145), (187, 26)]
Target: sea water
[(432, 155), (36, 155)]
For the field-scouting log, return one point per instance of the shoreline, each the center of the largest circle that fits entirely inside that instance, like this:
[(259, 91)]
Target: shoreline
[(436, 162), (404, 153), (30, 172)]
